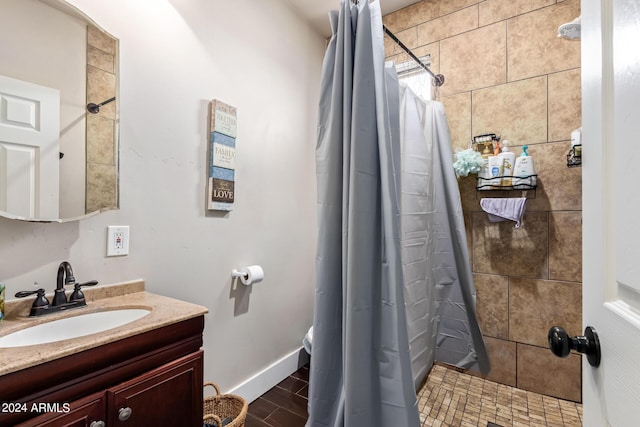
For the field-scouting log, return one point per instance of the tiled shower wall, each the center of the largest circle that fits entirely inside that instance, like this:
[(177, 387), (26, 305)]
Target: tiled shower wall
[(508, 73), (102, 173)]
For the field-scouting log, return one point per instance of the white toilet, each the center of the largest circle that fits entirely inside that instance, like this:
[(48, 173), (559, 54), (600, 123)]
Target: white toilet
[(306, 341)]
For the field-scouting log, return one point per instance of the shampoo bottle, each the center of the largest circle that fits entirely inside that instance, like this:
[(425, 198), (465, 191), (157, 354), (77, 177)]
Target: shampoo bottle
[(484, 173), (495, 171), (508, 160), (524, 173)]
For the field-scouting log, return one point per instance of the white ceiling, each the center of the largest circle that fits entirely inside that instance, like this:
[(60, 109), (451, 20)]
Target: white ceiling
[(316, 11)]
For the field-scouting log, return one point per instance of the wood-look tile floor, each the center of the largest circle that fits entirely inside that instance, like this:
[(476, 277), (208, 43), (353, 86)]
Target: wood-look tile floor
[(448, 399), (285, 405)]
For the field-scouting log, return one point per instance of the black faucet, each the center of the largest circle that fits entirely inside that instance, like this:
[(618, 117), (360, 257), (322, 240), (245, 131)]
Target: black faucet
[(65, 277)]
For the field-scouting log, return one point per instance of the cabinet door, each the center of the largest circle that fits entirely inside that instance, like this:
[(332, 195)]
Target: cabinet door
[(89, 411), (170, 395)]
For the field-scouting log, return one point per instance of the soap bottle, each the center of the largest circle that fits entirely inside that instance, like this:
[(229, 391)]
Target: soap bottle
[(508, 160), (524, 172)]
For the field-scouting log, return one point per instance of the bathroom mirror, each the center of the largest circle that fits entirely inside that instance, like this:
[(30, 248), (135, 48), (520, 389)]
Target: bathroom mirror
[(58, 160)]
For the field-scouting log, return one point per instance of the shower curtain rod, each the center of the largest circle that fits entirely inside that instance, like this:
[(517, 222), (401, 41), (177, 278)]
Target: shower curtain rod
[(438, 79)]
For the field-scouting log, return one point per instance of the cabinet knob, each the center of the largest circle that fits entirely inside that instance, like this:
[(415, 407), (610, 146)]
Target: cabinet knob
[(124, 413), (97, 424)]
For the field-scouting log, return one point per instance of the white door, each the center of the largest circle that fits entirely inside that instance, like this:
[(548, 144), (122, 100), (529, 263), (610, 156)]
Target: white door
[(29, 149), (611, 205)]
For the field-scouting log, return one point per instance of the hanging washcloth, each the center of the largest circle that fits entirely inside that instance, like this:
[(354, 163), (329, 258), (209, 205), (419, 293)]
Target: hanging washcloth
[(501, 209)]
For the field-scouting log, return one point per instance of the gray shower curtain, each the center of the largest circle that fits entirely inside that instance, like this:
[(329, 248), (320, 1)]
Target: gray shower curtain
[(360, 371), (380, 154), (439, 289)]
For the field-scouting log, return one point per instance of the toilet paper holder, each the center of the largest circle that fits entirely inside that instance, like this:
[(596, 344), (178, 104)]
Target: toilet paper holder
[(249, 275)]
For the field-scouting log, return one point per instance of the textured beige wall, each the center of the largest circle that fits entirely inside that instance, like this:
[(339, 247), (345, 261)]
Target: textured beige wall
[(508, 73)]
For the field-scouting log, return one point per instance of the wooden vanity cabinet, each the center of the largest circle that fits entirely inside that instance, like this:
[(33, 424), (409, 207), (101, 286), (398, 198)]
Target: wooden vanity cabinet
[(165, 396), (151, 379)]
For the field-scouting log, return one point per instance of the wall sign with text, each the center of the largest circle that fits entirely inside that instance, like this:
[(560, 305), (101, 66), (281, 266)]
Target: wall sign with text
[(222, 161)]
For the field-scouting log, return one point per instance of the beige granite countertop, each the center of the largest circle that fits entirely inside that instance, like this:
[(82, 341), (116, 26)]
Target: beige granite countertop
[(164, 311)]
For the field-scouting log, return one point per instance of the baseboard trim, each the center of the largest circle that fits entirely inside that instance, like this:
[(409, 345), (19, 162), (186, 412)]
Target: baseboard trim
[(264, 380)]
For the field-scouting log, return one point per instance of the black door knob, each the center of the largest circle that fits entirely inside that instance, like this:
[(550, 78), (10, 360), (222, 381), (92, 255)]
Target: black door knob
[(561, 344)]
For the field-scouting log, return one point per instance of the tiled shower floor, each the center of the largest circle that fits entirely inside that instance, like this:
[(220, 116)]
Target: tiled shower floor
[(448, 399)]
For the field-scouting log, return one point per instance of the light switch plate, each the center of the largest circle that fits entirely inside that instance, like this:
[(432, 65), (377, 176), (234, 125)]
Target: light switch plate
[(117, 240)]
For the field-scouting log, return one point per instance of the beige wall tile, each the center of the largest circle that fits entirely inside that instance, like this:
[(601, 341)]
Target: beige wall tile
[(473, 60), (517, 111), (100, 87), (467, 229), (497, 10), (448, 25), (499, 248), (100, 140), (559, 187), (565, 246), (492, 304), (100, 59), (101, 187), (101, 40), (449, 6), (565, 101), (542, 372), (458, 110), (535, 49), (468, 194), (412, 15), (537, 305), (408, 37), (389, 47), (502, 356), (433, 50)]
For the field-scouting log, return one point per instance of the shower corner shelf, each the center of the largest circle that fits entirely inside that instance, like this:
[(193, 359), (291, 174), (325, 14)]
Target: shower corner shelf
[(525, 184), (574, 158)]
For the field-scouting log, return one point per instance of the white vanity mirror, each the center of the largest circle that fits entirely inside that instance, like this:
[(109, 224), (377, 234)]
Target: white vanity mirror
[(58, 159)]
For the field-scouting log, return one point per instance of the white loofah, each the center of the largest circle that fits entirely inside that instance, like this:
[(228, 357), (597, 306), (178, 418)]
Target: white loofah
[(467, 161)]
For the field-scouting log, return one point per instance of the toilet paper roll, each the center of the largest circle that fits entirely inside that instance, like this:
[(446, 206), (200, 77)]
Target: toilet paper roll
[(251, 274)]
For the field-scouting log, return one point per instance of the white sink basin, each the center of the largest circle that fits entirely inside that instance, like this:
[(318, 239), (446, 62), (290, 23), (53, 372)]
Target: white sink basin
[(72, 327)]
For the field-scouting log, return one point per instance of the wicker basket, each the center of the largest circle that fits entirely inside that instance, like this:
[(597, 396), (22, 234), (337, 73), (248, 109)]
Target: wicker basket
[(222, 406)]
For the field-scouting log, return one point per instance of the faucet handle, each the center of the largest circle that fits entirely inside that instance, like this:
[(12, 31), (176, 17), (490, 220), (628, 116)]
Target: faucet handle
[(77, 294), (40, 302), (40, 299)]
